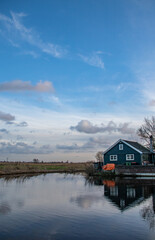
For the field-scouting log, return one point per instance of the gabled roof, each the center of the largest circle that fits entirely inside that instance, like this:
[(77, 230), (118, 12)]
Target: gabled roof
[(138, 146), (134, 145), (127, 206)]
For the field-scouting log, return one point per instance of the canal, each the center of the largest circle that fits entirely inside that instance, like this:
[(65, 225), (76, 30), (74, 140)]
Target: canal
[(60, 206)]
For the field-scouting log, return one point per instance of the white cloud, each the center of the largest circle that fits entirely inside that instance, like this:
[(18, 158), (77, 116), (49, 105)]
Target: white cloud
[(93, 60), (48, 126), (15, 32), (19, 86), (44, 87), (24, 148), (73, 147), (55, 100), (86, 126), (92, 144), (13, 29)]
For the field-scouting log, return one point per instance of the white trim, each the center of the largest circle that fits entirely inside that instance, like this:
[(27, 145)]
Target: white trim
[(122, 141), (111, 156), (130, 159), (112, 146)]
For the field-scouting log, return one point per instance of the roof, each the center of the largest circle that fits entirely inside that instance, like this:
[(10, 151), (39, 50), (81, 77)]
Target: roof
[(126, 206), (138, 146), (135, 145)]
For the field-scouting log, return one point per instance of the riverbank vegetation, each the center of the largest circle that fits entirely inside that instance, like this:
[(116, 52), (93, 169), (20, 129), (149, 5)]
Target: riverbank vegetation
[(30, 167)]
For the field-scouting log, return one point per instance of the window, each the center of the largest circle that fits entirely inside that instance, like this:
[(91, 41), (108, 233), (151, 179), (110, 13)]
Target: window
[(122, 203), (113, 157), (120, 146), (129, 157), (131, 193), (114, 191)]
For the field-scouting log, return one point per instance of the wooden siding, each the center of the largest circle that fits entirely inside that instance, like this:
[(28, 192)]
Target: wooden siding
[(121, 155)]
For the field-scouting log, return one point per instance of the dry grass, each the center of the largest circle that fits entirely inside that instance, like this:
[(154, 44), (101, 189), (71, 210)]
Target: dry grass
[(23, 167)]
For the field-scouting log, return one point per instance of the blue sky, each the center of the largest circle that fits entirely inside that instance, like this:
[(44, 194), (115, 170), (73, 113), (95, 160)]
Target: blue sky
[(75, 76)]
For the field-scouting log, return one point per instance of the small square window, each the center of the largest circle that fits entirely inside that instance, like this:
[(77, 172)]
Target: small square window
[(120, 146), (114, 191), (113, 157), (129, 157), (131, 193)]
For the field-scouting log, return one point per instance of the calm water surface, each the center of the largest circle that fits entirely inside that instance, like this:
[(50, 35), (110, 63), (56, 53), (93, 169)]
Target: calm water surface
[(59, 206)]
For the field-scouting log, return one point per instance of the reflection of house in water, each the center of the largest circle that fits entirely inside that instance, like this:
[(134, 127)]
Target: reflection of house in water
[(126, 195), (153, 196)]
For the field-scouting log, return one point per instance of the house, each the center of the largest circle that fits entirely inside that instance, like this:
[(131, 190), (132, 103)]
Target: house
[(125, 152), (125, 196)]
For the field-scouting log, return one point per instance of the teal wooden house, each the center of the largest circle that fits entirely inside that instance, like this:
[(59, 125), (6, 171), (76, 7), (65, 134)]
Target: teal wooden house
[(125, 152)]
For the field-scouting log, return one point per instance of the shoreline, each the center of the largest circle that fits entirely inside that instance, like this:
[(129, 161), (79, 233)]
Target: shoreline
[(17, 168), (20, 168), (39, 172)]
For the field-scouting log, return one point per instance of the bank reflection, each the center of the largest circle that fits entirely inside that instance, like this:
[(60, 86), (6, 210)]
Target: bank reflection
[(123, 196), (125, 193), (128, 194), (19, 178)]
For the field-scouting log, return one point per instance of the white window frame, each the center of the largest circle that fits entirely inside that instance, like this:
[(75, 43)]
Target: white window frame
[(120, 146), (114, 191), (113, 157), (131, 192), (130, 157)]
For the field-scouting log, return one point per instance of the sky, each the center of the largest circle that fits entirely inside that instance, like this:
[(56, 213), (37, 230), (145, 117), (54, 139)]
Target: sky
[(75, 76)]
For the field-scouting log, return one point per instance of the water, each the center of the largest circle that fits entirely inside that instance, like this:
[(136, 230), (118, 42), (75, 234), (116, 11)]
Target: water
[(59, 206)]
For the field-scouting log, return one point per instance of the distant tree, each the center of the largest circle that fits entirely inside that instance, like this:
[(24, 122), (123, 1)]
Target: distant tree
[(99, 156), (147, 130), (35, 160)]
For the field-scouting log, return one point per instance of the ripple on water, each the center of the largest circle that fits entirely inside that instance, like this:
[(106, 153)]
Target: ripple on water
[(57, 206)]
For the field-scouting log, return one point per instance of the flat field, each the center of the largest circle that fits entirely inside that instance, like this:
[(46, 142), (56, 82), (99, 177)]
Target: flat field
[(30, 167)]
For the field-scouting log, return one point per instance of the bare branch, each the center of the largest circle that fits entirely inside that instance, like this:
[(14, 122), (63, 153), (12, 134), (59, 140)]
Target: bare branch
[(146, 130), (99, 156)]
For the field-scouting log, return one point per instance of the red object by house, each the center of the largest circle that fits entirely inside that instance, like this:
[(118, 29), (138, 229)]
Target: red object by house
[(109, 167)]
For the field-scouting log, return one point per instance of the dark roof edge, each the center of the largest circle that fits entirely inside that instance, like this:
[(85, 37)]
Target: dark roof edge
[(138, 143), (121, 140)]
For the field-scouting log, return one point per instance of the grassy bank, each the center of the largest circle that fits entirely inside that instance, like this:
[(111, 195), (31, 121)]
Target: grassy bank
[(21, 168)]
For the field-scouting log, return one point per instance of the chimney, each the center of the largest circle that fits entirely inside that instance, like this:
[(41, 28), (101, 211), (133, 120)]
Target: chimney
[(151, 143)]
